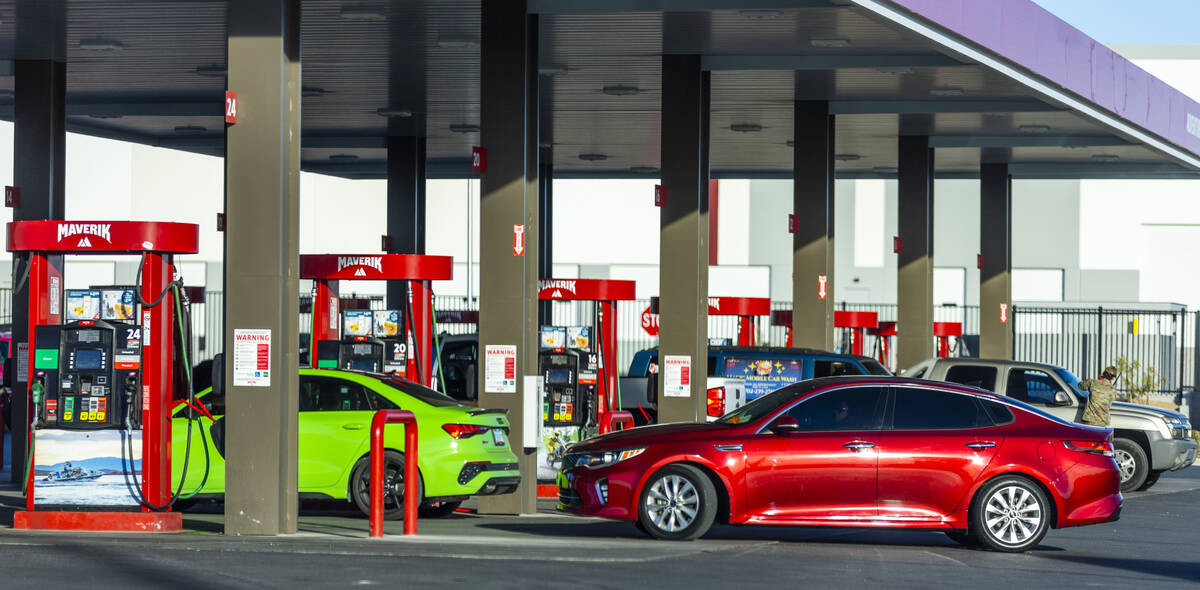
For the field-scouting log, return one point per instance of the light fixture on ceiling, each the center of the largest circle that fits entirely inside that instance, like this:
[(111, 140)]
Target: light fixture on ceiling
[(621, 90), (464, 128), (761, 14), (552, 69), (190, 129), (311, 91), (885, 170), (390, 112), (593, 157), (746, 127), (457, 42), (1035, 129), (643, 169), (343, 158), (100, 44), (894, 69), (1106, 158), (847, 157), (946, 91), (211, 70), (362, 12), (829, 43)]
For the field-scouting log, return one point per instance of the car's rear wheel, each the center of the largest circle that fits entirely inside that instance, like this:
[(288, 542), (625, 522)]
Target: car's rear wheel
[(1011, 514), (1132, 462), (678, 503), (393, 485)]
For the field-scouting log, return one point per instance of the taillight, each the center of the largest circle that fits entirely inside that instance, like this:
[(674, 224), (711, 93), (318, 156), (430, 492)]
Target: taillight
[(1095, 447), (463, 430), (716, 401)]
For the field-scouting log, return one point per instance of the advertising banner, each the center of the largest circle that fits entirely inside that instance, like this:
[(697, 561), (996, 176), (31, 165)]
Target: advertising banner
[(763, 375)]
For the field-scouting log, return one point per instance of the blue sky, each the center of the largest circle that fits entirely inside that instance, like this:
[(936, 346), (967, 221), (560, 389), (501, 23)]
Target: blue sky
[(1131, 21)]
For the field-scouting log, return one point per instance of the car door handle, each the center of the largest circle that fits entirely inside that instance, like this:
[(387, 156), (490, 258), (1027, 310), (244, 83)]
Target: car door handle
[(352, 427), (857, 446), (728, 448), (980, 445)]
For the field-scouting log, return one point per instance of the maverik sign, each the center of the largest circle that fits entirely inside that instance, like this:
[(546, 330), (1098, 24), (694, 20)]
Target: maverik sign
[(586, 289), (362, 262), (98, 230), (403, 267)]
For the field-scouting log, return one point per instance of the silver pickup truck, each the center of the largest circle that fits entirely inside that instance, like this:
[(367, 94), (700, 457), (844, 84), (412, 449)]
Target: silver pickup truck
[(1147, 440)]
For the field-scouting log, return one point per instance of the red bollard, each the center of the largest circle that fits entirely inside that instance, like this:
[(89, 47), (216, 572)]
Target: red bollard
[(614, 418), (381, 418)]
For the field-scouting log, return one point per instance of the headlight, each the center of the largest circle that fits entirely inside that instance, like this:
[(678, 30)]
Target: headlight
[(605, 458), (1165, 427)]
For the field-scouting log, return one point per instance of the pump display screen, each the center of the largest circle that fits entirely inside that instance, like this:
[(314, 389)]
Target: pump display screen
[(557, 376), (362, 366), (361, 349), (88, 336), (89, 359)]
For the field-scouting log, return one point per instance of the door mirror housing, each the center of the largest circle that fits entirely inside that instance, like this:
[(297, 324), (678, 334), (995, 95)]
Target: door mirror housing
[(1062, 398), (784, 424)]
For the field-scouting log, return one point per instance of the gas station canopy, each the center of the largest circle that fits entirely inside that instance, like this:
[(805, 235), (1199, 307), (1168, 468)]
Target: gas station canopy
[(991, 81)]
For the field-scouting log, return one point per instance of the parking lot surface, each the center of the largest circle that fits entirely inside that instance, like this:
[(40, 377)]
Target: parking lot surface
[(1153, 545)]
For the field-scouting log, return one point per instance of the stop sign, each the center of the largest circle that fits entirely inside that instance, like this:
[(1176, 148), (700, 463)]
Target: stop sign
[(650, 322)]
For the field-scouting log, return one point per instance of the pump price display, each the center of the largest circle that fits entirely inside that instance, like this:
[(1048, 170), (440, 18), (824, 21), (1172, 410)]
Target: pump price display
[(500, 369), (252, 358)]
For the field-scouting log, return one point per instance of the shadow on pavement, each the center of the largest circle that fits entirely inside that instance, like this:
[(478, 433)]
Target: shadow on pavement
[(1183, 570)]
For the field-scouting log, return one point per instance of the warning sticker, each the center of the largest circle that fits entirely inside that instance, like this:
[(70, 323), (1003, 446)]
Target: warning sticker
[(500, 369), (252, 358), (677, 376)]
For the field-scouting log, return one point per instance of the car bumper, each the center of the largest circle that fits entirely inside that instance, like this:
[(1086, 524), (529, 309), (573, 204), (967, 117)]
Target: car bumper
[(1172, 454), (1090, 492), (606, 493)]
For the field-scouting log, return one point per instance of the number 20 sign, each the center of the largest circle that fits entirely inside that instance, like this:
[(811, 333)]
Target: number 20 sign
[(478, 159)]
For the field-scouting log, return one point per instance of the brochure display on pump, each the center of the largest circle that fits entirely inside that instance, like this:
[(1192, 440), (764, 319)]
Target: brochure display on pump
[(386, 323), (579, 337), (553, 337), (83, 304), (87, 467), (357, 322), (117, 305)]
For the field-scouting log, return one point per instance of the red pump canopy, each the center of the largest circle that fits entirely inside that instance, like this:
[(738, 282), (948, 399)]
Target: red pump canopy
[(586, 289), (402, 267), (84, 237)]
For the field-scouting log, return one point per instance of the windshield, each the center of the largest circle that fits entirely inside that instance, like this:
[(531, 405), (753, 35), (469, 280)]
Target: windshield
[(420, 392), (874, 368), (765, 404), (1072, 381)]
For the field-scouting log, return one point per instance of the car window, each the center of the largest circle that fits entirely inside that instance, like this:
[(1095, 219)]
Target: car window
[(766, 404), (327, 394), (874, 368), (917, 408), (1031, 386), (833, 368), (418, 391), (849, 408), (998, 412), (458, 370), (973, 375)]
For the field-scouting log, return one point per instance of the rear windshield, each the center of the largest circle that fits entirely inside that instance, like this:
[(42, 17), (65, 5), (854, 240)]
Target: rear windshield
[(874, 368), (765, 404), (420, 392), (1035, 410)]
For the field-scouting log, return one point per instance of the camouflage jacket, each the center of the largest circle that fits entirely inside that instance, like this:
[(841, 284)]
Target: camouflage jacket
[(1101, 397)]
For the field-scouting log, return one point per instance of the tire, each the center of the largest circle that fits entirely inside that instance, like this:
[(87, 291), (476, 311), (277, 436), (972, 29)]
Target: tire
[(964, 538), (681, 499), (438, 509), (1132, 462), (1010, 514), (1151, 479), (393, 498)]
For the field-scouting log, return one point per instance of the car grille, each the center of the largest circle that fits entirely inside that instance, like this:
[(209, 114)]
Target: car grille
[(569, 497), (1183, 432), (569, 461)]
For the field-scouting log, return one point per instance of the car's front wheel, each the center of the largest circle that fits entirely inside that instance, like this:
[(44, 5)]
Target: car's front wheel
[(1012, 514), (1132, 461), (393, 485), (678, 503)]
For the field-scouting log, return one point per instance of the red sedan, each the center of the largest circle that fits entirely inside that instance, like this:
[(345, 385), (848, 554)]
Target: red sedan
[(861, 451)]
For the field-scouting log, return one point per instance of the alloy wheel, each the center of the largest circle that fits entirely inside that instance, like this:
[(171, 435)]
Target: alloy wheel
[(1013, 515), (1126, 463), (672, 503)]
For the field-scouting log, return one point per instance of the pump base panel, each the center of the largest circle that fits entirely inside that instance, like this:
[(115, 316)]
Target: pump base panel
[(140, 522)]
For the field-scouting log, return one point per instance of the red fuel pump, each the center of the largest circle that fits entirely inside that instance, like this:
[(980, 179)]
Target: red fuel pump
[(327, 269), (606, 293), (857, 322), (91, 377), (745, 308), (885, 331), (944, 331)]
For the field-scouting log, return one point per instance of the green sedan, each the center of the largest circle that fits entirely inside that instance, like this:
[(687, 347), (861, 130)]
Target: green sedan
[(462, 451)]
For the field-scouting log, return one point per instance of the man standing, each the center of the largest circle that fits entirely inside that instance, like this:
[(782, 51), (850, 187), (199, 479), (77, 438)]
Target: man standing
[(1101, 395)]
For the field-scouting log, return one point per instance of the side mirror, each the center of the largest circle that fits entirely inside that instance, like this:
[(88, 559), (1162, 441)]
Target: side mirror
[(1061, 398), (784, 425), (218, 374)]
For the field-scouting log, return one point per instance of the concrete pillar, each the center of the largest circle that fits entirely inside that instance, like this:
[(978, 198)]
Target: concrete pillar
[(995, 274), (914, 280), (683, 242), (39, 140), (812, 244), (262, 181), (405, 206), (508, 314)]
